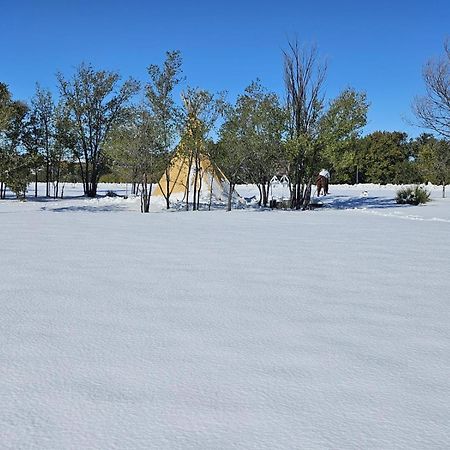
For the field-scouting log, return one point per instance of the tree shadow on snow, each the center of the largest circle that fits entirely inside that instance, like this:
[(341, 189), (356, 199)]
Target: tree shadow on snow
[(51, 199), (87, 208), (345, 202)]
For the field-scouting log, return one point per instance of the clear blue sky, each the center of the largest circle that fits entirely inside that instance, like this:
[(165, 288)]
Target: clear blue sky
[(376, 46)]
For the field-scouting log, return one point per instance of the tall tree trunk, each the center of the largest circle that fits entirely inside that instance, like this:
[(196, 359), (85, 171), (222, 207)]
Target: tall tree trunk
[(145, 195), (211, 191), (196, 174), (149, 193), (230, 195), (200, 183), (298, 193), (188, 183), (93, 182), (265, 192), (307, 195), (58, 175), (167, 196), (47, 160), (35, 183), (47, 176), (260, 194), (88, 178), (83, 177), (94, 186), (443, 189)]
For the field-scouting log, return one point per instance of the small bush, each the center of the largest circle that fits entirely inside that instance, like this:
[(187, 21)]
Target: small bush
[(111, 194), (416, 195)]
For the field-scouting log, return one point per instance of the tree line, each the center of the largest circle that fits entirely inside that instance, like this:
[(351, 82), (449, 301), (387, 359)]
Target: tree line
[(99, 128)]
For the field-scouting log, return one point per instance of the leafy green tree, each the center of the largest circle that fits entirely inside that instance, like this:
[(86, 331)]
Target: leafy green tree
[(95, 103), (263, 123), (6, 107), (62, 160), (6, 113), (135, 146), (43, 118), (434, 161), (201, 110), (33, 143), (233, 151), (251, 139), (385, 157), (15, 171), (165, 113), (19, 173), (340, 129)]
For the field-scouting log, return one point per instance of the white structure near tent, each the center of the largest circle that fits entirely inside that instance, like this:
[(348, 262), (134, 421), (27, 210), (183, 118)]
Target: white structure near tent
[(279, 192), (285, 190), (276, 189)]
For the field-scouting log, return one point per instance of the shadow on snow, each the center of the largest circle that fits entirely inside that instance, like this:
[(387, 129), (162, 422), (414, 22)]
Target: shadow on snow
[(345, 202)]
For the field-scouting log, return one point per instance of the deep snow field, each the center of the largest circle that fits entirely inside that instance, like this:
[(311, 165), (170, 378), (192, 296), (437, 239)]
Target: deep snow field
[(211, 330)]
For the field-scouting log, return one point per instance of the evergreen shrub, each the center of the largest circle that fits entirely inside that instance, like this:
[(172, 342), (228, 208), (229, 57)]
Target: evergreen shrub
[(416, 195)]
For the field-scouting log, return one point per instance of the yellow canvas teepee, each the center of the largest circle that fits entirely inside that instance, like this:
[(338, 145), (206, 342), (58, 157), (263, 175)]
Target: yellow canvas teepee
[(211, 182), (191, 176)]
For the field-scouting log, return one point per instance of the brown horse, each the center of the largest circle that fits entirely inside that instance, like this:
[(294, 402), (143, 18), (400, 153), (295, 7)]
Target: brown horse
[(322, 184)]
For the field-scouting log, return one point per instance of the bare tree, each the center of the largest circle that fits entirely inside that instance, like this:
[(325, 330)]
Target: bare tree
[(433, 109), (304, 77)]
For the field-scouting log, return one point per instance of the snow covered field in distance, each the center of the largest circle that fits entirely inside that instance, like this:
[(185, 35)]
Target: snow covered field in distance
[(211, 330)]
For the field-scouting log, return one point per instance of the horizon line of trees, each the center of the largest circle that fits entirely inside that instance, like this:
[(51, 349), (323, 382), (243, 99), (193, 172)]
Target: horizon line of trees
[(96, 130)]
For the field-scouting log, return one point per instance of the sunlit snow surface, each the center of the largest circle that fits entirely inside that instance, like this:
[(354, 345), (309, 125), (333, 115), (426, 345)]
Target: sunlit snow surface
[(212, 330)]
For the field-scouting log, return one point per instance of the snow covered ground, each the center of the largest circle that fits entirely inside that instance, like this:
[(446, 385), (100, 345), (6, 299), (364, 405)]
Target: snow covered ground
[(212, 330)]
